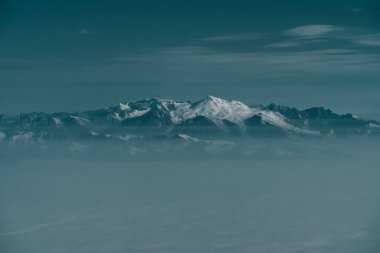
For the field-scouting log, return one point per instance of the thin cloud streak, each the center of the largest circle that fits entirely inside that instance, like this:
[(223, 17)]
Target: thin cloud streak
[(369, 40), (354, 9), (85, 31), (233, 37), (346, 62), (311, 31), (286, 44)]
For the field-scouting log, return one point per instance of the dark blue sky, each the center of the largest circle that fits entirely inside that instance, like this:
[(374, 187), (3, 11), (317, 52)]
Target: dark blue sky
[(68, 55)]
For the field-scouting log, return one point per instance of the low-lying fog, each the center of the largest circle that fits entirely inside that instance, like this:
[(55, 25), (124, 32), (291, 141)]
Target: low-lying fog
[(317, 196)]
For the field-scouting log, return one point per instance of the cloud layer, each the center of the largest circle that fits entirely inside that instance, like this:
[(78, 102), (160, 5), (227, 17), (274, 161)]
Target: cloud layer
[(312, 31)]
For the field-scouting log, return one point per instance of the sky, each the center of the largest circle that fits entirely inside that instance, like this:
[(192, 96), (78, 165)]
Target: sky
[(65, 55)]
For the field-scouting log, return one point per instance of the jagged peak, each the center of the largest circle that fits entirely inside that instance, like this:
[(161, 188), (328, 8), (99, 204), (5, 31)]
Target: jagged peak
[(212, 98), (218, 102), (319, 110), (149, 102), (124, 107)]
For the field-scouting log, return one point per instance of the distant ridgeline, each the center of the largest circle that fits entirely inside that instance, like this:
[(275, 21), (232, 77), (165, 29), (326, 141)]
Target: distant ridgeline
[(209, 118)]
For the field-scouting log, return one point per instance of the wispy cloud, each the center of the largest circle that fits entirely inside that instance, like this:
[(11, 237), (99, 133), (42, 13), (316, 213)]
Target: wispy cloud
[(311, 31), (300, 36), (354, 9), (184, 50), (285, 44), (304, 62), (293, 37), (85, 31), (369, 40), (303, 35), (233, 37)]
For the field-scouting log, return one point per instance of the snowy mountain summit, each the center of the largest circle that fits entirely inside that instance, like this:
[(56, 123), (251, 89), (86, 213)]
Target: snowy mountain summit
[(165, 118), (211, 107)]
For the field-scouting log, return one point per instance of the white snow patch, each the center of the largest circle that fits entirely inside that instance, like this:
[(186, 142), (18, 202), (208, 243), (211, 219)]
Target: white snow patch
[(124, 107), (81, 121), (117, 117), (125, 137), (137, 113), (188, 138), (130, 114), (22, 137), (57, 121), (93, 133)]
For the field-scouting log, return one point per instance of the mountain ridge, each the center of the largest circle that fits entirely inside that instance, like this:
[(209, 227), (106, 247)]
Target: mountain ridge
[(208, 117)]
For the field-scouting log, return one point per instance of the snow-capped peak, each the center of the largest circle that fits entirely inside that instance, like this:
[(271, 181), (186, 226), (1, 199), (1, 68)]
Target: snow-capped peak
[(214, 108), (217, 108), (124, 107), (208, 115)]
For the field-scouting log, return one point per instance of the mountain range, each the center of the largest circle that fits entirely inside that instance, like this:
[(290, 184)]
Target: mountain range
[(208, 118)]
